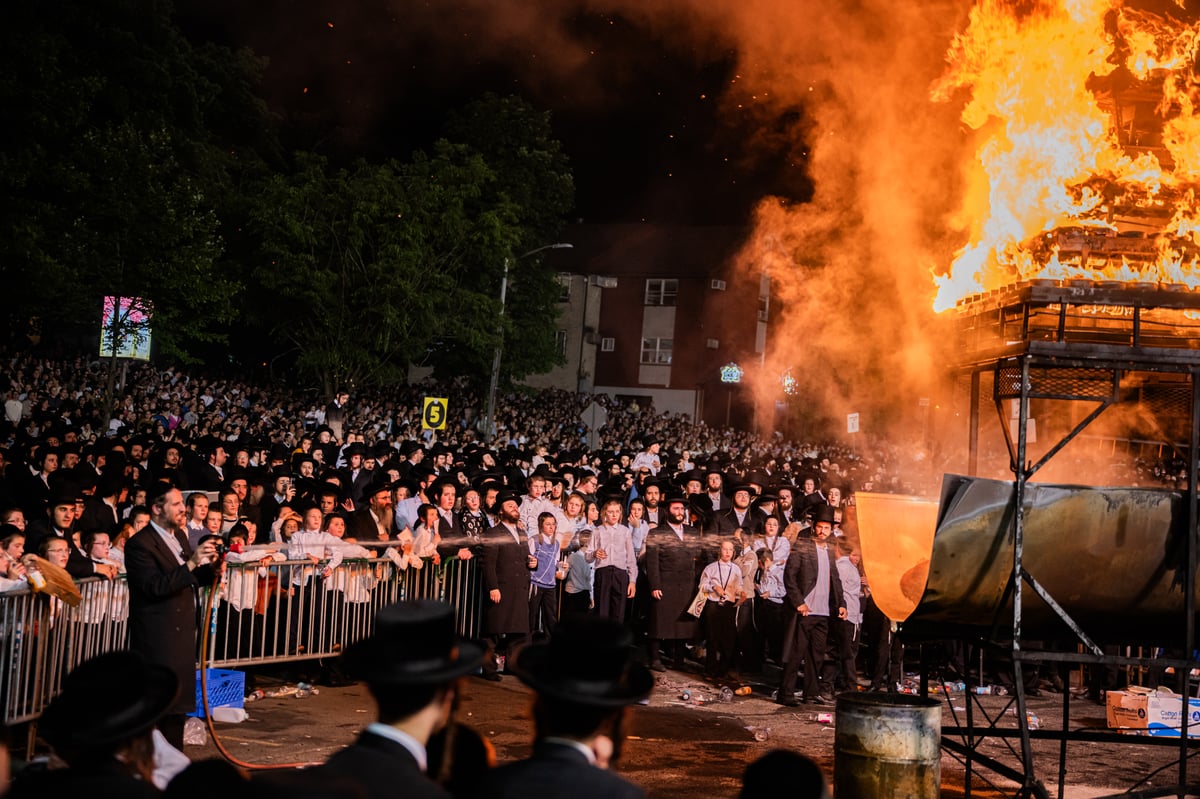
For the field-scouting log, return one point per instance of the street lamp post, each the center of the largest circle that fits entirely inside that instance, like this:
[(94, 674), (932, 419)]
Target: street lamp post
[(489, 419)]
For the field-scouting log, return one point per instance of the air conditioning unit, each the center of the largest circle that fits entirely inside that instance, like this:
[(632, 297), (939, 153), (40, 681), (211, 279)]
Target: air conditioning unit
[(717, 285), (712, 343), (608, 344), (591, 336)]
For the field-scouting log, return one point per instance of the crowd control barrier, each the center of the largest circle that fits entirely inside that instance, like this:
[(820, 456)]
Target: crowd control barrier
[(263, 612)]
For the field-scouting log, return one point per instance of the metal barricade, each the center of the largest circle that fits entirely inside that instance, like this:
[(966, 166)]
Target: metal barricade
[(290, 610), (269, 612), (42, 639)]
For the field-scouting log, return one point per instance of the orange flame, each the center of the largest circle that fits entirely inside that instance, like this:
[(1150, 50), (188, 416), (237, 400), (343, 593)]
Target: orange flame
[(1090, 146)]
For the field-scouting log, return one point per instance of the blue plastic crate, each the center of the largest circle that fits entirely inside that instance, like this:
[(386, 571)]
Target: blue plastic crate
[(225, 689)]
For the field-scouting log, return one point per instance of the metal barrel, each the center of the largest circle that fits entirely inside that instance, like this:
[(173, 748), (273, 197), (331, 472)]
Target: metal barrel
[(887, 746)]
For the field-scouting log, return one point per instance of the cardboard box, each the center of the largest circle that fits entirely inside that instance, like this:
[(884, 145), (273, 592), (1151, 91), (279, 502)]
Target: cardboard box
[(1156, 713)]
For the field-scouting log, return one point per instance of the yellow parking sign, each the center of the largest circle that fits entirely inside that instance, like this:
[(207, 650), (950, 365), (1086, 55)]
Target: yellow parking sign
[(433, 413)]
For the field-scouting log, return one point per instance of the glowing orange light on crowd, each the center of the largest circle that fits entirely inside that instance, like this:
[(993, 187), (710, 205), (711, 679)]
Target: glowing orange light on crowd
[(1086, 116)]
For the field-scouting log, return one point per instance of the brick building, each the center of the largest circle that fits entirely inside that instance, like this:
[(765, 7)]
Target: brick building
[(655, 312)]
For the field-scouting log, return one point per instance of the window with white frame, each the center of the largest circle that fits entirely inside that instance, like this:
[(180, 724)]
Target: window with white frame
[(661, 291), (560, 341), (564, 287), (657, 350), (608, 344)]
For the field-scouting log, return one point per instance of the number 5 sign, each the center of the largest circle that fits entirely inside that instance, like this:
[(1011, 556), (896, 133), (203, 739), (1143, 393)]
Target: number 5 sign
[(433, 413)]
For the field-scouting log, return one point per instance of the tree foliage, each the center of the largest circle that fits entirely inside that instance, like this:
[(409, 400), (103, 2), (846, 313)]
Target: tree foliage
[(367, 266), (137, 164), (113, 174)]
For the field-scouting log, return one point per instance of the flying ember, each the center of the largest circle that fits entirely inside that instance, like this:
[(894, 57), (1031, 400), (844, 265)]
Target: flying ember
[(1088, 156)]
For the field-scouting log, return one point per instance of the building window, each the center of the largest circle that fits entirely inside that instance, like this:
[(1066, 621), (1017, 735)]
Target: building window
[(657, 350), (564, 287), (661, 292), (608, 344), (560, 341)]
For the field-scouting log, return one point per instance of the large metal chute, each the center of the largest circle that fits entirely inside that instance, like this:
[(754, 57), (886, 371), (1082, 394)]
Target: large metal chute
[(1113, 558)]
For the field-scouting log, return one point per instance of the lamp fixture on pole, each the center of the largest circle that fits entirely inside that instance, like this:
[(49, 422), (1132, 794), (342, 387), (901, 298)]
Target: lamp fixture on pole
[(489, 428)]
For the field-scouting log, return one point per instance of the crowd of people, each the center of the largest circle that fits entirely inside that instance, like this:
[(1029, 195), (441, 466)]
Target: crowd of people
[(715, 550)]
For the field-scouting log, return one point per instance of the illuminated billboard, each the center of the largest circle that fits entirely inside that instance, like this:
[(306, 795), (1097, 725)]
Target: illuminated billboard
[(125, 328)]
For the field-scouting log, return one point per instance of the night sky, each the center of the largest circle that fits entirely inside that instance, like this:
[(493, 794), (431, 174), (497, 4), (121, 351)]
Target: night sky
[(653, 123)]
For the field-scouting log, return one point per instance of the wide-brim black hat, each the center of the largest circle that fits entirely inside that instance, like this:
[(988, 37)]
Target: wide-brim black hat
[(823, 513), (508, 495), (106, 700), (672, 497), (378, 482), (589, 661), (414, 644)]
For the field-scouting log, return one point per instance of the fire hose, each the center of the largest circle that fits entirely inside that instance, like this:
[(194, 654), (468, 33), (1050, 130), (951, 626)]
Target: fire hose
[(209, 628)]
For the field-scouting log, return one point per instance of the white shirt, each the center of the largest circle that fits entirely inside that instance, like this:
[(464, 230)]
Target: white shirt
[(617, 543), (172, 542), (726, 575)]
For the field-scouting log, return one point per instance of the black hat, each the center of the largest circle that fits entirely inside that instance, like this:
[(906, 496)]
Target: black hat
[(587, 662), (409, 447), (507, 495), (414, 644), (823, 513), (422, 472), (357, 448), (766, 496), (672, 498), (110, 483), (379, 482), (326, 489), (64, 493), (106, 700)]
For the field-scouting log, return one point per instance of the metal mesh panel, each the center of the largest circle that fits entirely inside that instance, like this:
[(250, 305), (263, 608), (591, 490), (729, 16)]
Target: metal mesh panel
[(1168, 401), (1082, 384)]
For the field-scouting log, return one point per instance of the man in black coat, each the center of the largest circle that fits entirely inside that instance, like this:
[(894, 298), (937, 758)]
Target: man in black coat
[(163, 575), (505, 562), (376, 521), (411, 665), (674, 560), (814, 593), (738, 521), (584, 678)]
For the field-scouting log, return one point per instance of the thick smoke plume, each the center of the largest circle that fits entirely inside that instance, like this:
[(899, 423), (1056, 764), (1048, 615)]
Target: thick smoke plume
[(845, 87)]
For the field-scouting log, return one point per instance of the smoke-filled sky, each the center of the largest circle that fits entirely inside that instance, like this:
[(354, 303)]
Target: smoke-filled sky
[(808, 119)]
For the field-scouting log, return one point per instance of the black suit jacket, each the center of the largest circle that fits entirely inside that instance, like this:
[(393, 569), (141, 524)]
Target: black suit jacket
[(556, 771), (97, 515), (382, 768), (724, 522), (163, 608), (800, 574)]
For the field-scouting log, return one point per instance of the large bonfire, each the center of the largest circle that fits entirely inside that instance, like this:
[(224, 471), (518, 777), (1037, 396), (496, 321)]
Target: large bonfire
[(1089, 152)]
